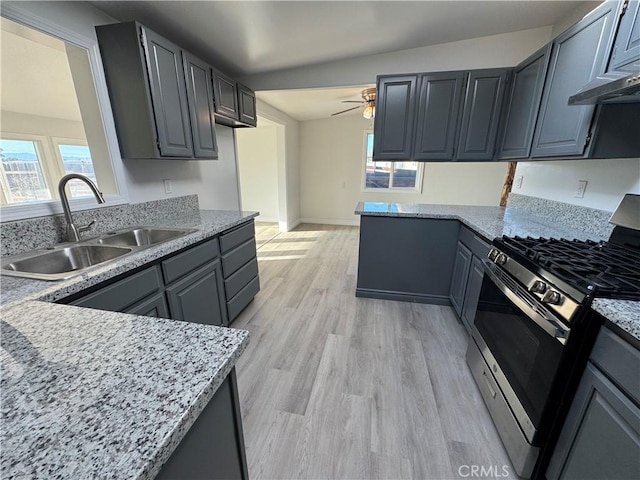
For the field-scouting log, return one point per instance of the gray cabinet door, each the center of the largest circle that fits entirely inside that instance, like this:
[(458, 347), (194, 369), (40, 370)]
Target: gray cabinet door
[(579, 55), (394, 120), (601, 435), (522, 105), (225, 92), (155, 306), (200, 98), (481, 114), (438, 112), (247, 105), (472, 293), (168, 95), (625, 56), (459, 277), (199, 296)]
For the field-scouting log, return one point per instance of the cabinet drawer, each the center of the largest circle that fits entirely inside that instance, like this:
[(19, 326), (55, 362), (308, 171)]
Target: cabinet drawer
[(238, 280), (232, 239), (185, 262), (477, 245), (124, 293), (242, 299), (235, 259), (619, 360)]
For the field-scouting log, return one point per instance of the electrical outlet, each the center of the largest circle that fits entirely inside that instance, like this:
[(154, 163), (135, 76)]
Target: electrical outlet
[(519, 179), (168, 188), (580, 188)]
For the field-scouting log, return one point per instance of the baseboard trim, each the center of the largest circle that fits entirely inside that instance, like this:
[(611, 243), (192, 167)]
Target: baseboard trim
[(332, 221), (403, 297), (290, 226)]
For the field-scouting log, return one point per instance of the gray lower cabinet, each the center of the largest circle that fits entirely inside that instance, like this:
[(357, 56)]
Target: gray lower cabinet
[(481, 114), (395, 117), (460, 275), (199, 296), (213, 448), (239, 268), (439, 100), (155, 306), (468, 273), (406, 259), (522, 105), (625, 56), (601, 435), (578, 55)]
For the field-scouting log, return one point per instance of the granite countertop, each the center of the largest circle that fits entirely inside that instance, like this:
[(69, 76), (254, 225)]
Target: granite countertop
[(492, 222), (94, 394), (207, 222)]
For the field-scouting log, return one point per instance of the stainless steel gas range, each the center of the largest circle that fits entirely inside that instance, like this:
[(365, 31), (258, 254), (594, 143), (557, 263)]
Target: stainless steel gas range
[(534, 329)]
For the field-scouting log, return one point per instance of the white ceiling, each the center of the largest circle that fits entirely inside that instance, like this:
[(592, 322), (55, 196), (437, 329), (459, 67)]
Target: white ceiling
[(315, 103), (249, 37)]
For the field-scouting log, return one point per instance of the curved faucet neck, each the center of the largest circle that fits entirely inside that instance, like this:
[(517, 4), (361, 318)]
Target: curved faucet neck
[(72, 231)]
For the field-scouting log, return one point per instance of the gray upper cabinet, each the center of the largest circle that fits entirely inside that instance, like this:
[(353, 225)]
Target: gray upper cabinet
[(578, 55), (168, 95), (395, 116), (522, 105), (438, 111), (160, 95), (625, 56), (200, 97), (481, 114), (225, 90), (247, 105)]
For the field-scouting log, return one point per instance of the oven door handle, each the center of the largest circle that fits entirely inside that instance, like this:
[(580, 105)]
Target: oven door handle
[(555, 328)]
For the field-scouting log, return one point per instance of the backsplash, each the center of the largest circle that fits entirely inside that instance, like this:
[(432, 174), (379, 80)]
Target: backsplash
[(23, 235), (572, 216)]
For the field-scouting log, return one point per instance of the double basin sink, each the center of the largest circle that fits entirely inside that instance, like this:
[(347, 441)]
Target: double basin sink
[(70, 259)]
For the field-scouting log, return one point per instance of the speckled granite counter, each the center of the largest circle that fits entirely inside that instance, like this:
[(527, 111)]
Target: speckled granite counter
[(492, 222), (95, 394), (208, 223)]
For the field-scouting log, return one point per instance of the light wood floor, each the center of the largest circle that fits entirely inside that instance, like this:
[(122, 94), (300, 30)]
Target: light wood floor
[(333, 386)]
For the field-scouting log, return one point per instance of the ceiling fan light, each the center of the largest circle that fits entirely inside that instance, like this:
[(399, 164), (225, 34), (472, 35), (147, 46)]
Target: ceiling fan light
[(369, 112)]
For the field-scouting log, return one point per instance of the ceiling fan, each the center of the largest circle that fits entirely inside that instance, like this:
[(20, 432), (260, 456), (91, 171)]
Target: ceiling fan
[(368, 102)]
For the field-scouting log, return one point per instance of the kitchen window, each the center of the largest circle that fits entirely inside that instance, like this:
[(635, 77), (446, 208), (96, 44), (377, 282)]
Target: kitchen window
[(52, 104), (389, 176)]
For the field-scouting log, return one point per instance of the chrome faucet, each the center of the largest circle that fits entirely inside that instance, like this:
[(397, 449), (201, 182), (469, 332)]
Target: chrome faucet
[(73, 232)]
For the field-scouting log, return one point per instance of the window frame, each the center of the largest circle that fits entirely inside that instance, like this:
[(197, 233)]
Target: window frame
[(390, 189), (27, 18)]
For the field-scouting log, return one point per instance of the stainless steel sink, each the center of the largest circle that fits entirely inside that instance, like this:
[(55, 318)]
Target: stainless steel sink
[(61, 262), (70, 259), (141, 236)]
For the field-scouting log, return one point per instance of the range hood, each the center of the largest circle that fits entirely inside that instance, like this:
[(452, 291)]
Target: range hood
[(609, 88)]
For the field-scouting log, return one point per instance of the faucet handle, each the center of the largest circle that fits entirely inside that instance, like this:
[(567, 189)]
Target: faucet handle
[(88, 226)]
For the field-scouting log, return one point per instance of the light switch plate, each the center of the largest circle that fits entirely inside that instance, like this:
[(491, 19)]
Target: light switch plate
[(519, 179), (580, 188), (168, 188)]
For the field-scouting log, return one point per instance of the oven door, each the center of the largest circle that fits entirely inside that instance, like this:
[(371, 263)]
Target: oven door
[(522, 342)]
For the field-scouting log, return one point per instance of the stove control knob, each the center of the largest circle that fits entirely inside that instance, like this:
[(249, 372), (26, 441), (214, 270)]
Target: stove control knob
[(501, 259), (552, 297), (493, 253), (538, 287)]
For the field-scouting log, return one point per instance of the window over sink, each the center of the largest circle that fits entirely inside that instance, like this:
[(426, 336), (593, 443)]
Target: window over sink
[(51, 108), (394, 177)]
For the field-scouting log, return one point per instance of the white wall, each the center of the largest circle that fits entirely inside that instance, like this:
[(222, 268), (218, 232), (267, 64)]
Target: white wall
[(215, 182), (502, 50), (288, 165), (331, 168), (608, 181), (258, 169)]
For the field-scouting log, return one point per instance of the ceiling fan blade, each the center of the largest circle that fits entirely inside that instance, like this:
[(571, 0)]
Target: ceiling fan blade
[(352, 101), (344, 111)]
